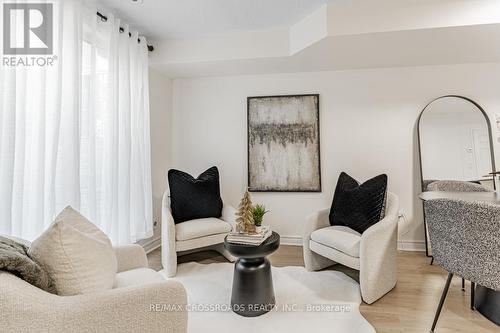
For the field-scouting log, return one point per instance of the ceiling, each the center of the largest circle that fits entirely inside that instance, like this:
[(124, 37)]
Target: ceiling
[(454, 45), (234, 37), (177, 19)]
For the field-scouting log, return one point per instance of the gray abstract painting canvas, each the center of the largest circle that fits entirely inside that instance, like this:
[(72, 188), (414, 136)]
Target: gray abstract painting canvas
[(283, 144)]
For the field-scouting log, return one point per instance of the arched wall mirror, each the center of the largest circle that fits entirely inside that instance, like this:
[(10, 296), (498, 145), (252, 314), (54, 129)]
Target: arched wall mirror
[(455, 143)]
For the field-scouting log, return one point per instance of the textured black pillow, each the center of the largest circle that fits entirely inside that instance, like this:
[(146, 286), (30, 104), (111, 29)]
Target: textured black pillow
[(358, 206), (194, 198)]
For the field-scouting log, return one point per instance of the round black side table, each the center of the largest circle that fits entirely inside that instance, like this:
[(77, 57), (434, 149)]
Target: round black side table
[(253, 292)]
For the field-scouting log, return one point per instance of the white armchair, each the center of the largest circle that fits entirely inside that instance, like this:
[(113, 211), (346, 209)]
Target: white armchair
[(373, 253), (137, 303), (193, 235)]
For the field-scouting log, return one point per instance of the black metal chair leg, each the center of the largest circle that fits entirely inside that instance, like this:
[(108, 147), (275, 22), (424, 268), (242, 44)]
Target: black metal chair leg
[(432, 260), (472, 294), (441, 301), (463, 284)]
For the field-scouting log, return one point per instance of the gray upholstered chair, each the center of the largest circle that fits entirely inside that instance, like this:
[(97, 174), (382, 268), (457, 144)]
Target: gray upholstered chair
[(465, 241), (456, 186)]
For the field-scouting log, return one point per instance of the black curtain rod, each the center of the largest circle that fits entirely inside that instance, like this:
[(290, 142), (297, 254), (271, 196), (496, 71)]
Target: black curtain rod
[(105, 18)]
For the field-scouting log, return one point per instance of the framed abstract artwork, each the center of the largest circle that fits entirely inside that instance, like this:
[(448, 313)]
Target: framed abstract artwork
[(283, 143)]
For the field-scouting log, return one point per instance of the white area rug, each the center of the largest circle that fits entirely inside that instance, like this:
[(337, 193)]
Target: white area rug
[(309, 302)]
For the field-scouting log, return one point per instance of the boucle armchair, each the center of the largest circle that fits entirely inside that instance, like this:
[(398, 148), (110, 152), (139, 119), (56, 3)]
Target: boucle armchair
[(373, 253), (138, 303), (453, 186), (193, 235)]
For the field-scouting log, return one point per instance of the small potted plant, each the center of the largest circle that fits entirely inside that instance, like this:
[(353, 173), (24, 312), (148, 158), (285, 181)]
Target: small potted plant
[(258, 214)]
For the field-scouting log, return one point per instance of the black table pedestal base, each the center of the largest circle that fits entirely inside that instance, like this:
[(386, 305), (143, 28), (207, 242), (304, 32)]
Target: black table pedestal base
[(253, 293), (487, 302)]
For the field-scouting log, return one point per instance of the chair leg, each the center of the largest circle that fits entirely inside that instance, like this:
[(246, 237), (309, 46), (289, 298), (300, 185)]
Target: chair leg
[(472, 294), (463, 284), (441, 301), (432, 260)]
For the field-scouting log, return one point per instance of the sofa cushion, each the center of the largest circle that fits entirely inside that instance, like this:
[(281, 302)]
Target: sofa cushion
[(138, 276), (192, 198), (341, 238), (77, 255), (200, 228)]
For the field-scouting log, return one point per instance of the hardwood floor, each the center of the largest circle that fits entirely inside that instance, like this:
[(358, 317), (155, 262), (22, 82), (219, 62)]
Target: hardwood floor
[(408, 308)]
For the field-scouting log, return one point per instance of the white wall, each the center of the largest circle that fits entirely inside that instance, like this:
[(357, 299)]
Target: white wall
[(446, 138), (367, 121), (160, 104)]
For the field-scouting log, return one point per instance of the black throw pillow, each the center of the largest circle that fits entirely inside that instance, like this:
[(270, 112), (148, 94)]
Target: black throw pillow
[(192, 198), (358, 206)]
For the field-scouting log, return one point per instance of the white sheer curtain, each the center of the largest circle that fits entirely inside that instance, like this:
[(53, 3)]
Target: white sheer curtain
[(77, 133)]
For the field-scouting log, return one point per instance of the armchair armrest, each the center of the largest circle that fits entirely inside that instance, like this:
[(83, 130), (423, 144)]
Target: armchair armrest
[(168, 246), (315, 221), (384, 229), (378, 235), (229, 215), (130, 257), (155, 307), (378, 254)]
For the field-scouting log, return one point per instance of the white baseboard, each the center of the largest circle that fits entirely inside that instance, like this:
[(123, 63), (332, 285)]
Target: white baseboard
[(402, 245), (152, 244), (291, 240), (411, 246), (155, 243)]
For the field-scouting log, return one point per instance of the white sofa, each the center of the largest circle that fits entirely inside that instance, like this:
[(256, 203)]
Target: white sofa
[(373, 253), (193, 235), (138, 303)]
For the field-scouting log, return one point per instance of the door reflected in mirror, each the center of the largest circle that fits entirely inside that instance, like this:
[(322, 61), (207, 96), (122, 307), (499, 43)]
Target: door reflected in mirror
[(455, 141)]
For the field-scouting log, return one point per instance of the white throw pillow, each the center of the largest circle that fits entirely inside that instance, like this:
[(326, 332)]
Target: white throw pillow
[(77, 255)]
